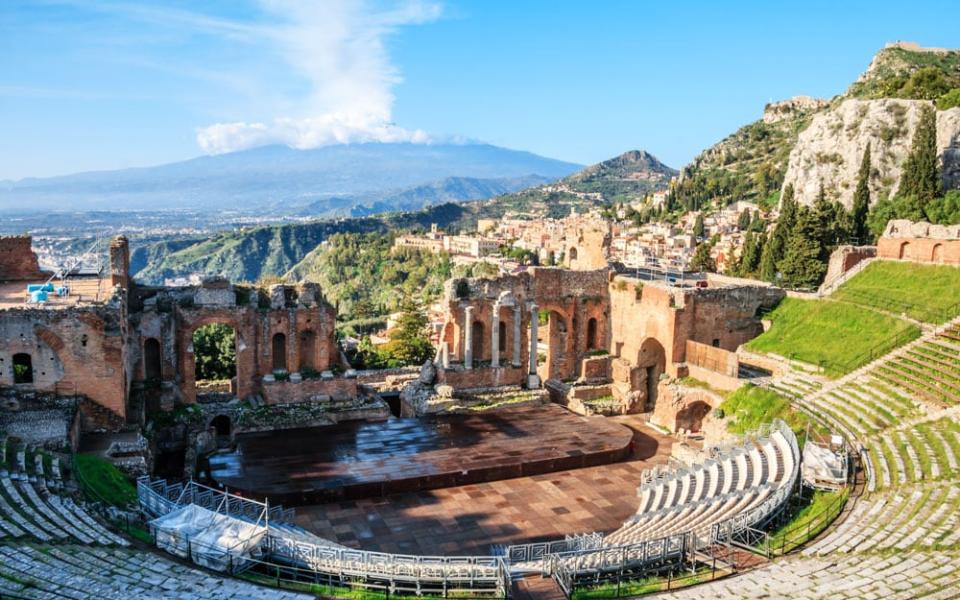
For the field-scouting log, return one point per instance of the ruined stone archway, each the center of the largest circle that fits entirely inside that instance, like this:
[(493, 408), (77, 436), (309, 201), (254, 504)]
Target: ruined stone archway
[(904, 252), (308, 352), (936, 255), (152, 359), (22, 368), (214, 348), (690, 417), (651, 362), (278, 352)]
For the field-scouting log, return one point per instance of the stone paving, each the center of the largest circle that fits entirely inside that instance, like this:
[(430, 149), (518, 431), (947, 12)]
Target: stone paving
[(468, 519)]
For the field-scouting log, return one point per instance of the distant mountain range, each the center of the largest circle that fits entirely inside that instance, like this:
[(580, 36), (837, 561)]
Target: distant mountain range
[(330, 181)]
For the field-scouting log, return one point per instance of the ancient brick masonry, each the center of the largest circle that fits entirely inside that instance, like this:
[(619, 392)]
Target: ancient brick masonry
[(98, 349), (17, 260), (920, 242)]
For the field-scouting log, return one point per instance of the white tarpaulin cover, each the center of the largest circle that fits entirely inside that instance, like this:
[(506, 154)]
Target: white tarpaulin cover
[(210, 539), (821, 465)]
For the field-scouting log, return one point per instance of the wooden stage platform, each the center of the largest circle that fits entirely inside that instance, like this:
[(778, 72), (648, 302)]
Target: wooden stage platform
[(361, 460)]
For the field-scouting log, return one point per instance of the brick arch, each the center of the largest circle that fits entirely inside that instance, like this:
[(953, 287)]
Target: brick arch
[(245, 349)]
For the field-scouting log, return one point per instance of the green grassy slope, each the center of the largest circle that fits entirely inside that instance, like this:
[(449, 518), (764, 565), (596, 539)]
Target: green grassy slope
[(929, 293), (837, 335)]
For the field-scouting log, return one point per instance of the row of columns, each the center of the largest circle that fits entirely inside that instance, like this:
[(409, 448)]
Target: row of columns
[(495, 336)]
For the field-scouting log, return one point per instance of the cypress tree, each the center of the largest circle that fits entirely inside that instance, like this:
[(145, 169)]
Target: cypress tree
[(698, 230), (861, 200), (774, 248), (802, 265), (921, 171)]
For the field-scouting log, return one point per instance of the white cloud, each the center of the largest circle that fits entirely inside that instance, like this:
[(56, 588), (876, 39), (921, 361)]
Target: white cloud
[(337, 47)]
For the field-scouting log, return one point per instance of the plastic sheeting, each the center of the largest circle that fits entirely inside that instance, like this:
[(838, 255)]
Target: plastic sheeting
[(208, 538), (823, 466)]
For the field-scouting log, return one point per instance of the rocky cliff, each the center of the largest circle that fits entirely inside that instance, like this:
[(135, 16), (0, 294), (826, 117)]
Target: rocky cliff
[(830, 149)]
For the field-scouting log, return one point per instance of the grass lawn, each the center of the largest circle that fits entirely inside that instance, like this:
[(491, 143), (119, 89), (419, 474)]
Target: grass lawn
[(103, 481), (750, 406), (923, 292), (837, 335), (809, 521)]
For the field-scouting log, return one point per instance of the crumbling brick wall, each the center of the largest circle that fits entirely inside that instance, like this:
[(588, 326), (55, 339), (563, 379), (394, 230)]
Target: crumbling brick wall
[(17, 259)]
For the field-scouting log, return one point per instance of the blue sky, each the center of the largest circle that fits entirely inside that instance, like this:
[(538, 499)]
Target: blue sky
[(102, 84)]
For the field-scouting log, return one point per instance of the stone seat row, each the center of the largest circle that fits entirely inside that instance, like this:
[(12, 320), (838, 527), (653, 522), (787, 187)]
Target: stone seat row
[(67, 571), (924, 451), (930, 575), (741, 469), (25, 513), (706, 494), (923, 517)]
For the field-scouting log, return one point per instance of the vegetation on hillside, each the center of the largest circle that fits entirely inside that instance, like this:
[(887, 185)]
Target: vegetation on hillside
[(364, 276), (920, 196), (902, 73), (747, 165), (928, 293), (809, 330), (409, 343)]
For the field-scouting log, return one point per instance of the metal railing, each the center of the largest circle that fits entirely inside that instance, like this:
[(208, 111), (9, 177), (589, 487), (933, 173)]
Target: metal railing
[(675, 547), (536, 552), (301, 559)]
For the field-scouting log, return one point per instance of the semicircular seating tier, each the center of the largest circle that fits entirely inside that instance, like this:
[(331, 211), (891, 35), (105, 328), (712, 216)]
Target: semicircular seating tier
[(757, 474)]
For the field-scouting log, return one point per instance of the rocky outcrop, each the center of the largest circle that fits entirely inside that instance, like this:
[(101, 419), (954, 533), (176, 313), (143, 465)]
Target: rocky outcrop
[(790, 108), (831, 148)]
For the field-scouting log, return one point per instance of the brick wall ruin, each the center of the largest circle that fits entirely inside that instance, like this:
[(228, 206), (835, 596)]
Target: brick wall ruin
[(17, 259), (920, 242)]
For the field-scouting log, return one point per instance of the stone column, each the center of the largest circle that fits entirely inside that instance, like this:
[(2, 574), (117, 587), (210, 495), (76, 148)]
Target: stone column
[(495, 336), (468, 337), (517, 327), (533, 380)]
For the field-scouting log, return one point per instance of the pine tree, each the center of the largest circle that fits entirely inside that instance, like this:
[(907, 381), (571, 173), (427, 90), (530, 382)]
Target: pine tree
[(802, 265), (861, 201), (921, 171)]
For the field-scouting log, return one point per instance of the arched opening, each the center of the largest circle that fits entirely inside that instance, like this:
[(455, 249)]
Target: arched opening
[(476, 330), (592, 334), (904, 250), (151, 359), (221, 425), (572, 254), (652, 361), (552, 336), (215, 360), (937, 255), (308, 354), (502, 339), (691, 416), (278, 351), (22, 368)]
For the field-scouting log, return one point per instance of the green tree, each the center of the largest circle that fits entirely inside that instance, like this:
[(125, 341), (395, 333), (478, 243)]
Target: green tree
[(698, 229), (775, 247), (410, 339), (861, 200), (743, 221), (214, 351), (802, 265), (750, 257), (921, 170), (702, 261)]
